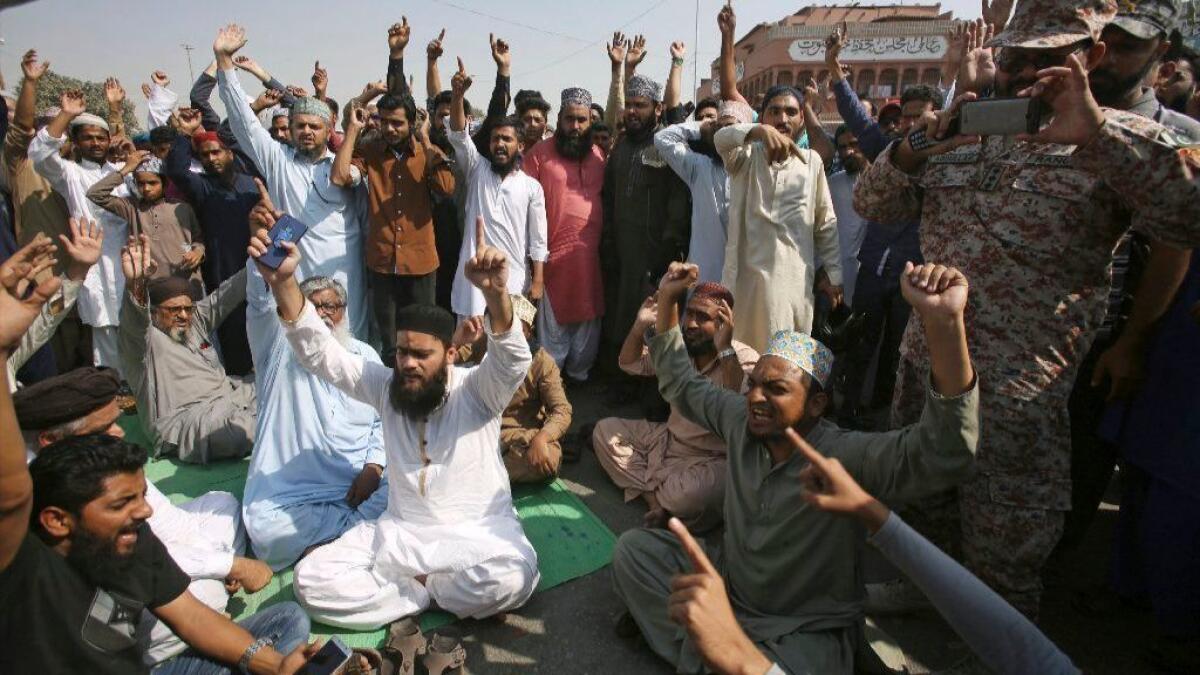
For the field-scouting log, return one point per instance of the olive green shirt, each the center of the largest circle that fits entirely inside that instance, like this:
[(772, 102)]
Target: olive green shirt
[(789, 566)]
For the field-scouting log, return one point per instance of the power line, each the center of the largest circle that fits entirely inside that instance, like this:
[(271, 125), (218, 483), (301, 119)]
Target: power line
[(590, 45), (510, 21)]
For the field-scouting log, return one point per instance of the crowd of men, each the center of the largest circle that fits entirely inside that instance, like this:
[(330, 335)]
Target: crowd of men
[(1026, 307)]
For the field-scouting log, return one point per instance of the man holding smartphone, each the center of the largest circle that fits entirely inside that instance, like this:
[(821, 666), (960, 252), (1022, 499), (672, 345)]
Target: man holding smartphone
[(1033, 219)]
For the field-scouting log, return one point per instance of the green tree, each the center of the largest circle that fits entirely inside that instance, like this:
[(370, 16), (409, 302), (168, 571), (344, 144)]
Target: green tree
[(52, 86)]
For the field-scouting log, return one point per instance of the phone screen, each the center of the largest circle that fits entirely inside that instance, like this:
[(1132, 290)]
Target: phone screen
[(332, 656)]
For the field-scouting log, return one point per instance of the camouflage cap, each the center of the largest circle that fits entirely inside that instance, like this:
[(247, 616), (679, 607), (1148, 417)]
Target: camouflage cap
[(1148, 19), (1049, 24)]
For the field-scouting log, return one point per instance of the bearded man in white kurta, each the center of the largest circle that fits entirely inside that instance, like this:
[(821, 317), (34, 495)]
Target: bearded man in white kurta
[(781, 221), (450, 534)]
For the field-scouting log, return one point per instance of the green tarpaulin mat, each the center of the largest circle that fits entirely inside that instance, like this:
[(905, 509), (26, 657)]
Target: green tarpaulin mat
[(570, 540)]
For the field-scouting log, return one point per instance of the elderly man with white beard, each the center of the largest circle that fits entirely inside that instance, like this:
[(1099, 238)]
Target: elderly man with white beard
[(186, 401), (317, 467)]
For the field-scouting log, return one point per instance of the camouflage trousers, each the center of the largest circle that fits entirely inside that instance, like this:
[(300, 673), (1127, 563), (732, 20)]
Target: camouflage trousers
[(1004, 522)]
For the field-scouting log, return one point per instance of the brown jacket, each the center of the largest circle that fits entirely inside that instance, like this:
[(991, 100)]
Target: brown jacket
[(400, 207), (540, 402)]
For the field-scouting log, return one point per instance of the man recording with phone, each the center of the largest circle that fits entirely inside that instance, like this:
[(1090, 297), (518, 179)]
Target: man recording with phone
[(1033, 218)]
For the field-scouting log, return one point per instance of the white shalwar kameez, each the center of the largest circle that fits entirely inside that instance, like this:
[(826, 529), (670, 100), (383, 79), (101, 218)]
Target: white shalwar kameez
[(450, 514)]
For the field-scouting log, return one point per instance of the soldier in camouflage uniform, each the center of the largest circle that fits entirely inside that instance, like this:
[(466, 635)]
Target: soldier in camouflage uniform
[(1034, 222)]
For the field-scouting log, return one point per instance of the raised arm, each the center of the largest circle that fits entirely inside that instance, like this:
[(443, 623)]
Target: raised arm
[(459, 84), (616, 87), (137, 266), (344, 174), (433, 80), (634, 55), (252, 138), (268, 81), (674, 87), (201, 94), (18, 309), (45, 148), (818, 140), (178, 163), (214, 309), (161, 101), (101, 194), (727, 23), (498, 103), (21, 131), (397, 37), (871, 139)]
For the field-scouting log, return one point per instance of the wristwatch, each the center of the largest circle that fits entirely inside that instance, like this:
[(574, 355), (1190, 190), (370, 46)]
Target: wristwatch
[(728, 351)]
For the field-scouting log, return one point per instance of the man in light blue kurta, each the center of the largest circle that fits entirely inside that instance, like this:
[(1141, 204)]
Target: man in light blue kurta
[(314, 442), (299, 185)]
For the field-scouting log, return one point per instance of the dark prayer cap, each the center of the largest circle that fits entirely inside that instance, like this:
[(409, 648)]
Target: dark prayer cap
[(162, 290), (65, 398), (713, 291), (428, 319)]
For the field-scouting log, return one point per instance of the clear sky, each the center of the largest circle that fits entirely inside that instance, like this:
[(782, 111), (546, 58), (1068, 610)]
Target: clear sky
[(555, 43)]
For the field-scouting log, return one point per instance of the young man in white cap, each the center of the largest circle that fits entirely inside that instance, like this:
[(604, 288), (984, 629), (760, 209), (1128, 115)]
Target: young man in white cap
[(792, 570)]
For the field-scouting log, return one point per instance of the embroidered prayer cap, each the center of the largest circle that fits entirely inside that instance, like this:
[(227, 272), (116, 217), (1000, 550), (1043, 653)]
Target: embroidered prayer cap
[(151, 165), (738, 110), (43, 118), (523, 309), (804, 352), (640, 85), (280, 111), (427, 319), (90, 120), (1049, 24), (311, 105), (714, 291), (65, 398), (1148, 19), (576, 96)]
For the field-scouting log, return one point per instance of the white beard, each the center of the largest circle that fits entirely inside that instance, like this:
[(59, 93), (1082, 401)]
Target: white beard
[(341, 333)]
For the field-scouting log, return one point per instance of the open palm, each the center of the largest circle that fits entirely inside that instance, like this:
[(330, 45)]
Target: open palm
[(19, 306)]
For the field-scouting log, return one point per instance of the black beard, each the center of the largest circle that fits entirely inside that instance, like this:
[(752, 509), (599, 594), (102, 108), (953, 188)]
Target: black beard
[(417, 405), (640, 134), (573, 147), (504, 168), (701, 347), (97, 559), (439, 138)]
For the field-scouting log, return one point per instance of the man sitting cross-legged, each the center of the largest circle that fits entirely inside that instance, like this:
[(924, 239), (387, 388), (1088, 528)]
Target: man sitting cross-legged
[(204, 536), (185, 399), (678, 467), (77, 562), (450, 534), (316, 468), (792, 570), (539, 414)]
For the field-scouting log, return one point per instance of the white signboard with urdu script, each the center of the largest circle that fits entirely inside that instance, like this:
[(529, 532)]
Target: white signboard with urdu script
[(902, 48)]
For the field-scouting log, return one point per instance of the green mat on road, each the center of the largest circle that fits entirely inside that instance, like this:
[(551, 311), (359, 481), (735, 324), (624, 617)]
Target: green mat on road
[(570, 540)]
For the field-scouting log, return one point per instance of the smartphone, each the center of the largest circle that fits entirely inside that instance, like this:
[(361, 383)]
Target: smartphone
[(1000, 116), (286, 228), (332, 657)]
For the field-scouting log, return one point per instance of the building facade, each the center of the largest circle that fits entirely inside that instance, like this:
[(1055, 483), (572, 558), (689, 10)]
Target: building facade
[(888, 48)]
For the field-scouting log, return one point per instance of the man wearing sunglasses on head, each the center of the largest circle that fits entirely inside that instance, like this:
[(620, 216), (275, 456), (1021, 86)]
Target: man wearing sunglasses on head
[(1034, 220)]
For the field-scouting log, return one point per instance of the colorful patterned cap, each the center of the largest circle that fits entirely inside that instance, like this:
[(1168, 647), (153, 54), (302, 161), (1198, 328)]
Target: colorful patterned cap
[(804, 352), (640, 85), (151, 164), (1148, 19), (311, 105), (738, 110), (90, 120), (523, 309), (576, 96), (1049, 24)]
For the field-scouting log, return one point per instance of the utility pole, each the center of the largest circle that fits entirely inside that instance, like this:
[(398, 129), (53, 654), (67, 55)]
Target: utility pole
[(696, 54), (188, 50)]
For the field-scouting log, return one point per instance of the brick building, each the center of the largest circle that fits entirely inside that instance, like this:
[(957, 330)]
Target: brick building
[(888, 48)]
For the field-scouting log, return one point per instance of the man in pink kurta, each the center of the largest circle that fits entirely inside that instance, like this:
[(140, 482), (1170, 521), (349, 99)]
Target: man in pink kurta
[(571, 171)]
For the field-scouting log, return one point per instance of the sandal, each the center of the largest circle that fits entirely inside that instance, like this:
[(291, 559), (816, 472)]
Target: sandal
[(445, 652), (405, 642), (374, 662)]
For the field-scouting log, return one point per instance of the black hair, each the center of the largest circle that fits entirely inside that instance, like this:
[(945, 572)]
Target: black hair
[(923, 92), (70, 473), (509, 121), (600, 126), (842, 128), (163, 134), (709, 102), (447, 97), (598, 108), (392, 102), (333, 106), (780, 90), (532, 102)]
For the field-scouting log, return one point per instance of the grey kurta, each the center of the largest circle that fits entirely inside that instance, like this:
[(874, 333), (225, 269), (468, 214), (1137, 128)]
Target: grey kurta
[(185, 398), (791, 569)]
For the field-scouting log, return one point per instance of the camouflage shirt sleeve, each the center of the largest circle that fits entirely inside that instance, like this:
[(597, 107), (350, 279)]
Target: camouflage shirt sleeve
[(1158, 179), (885, 194)]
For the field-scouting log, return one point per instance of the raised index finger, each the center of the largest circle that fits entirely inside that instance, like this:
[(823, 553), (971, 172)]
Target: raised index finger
[(700, 561), (480, 237), (810, 453), (263, 195)]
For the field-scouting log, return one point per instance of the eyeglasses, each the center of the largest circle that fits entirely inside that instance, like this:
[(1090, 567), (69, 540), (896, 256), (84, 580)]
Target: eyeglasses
[(177, 311), (1012, 60), (328, 306)]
